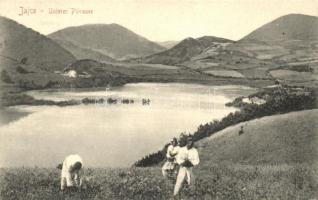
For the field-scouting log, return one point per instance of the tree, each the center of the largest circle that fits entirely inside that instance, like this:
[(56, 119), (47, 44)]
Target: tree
[(24, 60), (21, 70), (5, 77)]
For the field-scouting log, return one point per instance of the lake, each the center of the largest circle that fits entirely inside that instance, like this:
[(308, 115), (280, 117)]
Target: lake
[(110, 135)]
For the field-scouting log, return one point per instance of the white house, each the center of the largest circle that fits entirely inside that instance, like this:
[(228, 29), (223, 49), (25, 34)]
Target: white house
[(246, 100), (254, 100), (71, 73), (257, 100)]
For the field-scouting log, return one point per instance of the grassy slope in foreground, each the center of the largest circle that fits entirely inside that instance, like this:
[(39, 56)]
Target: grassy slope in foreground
[(271, 160)]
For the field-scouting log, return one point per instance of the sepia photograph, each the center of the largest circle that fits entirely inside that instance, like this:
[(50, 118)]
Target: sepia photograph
[(158, 100)]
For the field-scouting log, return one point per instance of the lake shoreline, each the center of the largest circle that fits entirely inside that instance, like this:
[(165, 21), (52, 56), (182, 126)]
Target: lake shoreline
[(12, 93), (26, 98)]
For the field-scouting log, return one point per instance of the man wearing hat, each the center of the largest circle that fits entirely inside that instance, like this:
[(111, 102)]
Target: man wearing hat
[(187, 157)]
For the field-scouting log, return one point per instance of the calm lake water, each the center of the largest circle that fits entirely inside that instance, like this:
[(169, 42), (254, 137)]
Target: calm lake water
[(110, 135)]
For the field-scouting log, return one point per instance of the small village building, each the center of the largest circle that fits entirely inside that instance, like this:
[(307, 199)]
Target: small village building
[(246, 100), (71, 73), (254, 100), (258, 101)]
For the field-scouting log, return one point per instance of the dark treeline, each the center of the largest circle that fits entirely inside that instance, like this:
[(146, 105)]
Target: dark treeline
[(23, 99), (109, 100), (279, 100)]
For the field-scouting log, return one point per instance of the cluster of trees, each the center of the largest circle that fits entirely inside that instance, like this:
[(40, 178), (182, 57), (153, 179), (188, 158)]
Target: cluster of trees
[(92, 101), (298, 68), (53, 81), (4, 76), (13, 99), (109, 100), (152, 159), (21, 70), (127, 101), (278, 100)]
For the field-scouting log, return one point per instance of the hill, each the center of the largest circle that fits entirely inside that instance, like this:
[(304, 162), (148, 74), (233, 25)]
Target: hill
[(288, 27), (280, 139), (109, 39), (19, 43), (284, 49), (184, 50)]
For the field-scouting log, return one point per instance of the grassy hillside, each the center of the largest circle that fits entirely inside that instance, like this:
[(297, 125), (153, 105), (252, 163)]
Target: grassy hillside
[(20, 43), (273, 159), (184, 50), (280, 139), (84, 53)]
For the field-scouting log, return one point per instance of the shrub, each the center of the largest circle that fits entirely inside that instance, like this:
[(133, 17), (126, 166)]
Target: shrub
[(5, 77)]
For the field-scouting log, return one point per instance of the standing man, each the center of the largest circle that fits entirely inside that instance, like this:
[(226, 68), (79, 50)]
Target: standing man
[(187, 157), (241, 131), (70, 175), (170, 164)]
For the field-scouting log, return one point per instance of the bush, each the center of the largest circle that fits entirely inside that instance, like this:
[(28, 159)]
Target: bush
[(5, 77), (24, 60), (21, 70)]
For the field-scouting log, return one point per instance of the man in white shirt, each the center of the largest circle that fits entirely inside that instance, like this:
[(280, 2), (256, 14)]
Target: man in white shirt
[(70, 175), (169, 166), (187, 157)]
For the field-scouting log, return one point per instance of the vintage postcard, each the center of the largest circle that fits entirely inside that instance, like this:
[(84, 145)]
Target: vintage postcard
[(158, 99)]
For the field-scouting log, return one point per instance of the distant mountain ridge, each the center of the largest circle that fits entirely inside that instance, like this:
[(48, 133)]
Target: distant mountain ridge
[(109, 39), (289, 42), (168, 44), (284, 49)]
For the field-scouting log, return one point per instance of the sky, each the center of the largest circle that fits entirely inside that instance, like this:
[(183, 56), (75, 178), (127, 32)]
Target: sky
[(158, 20)]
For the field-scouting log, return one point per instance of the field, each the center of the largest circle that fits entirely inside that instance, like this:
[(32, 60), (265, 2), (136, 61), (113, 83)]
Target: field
[(275, 158), (225, 73), (292, 75), (227, 181), (259, 72)]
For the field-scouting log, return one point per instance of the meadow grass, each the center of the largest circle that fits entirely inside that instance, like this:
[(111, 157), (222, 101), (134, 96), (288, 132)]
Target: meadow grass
[(217, 181)]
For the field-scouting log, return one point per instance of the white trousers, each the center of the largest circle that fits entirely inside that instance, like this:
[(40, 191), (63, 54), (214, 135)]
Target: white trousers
[(168, 168), (70, 179), (184, 172)]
